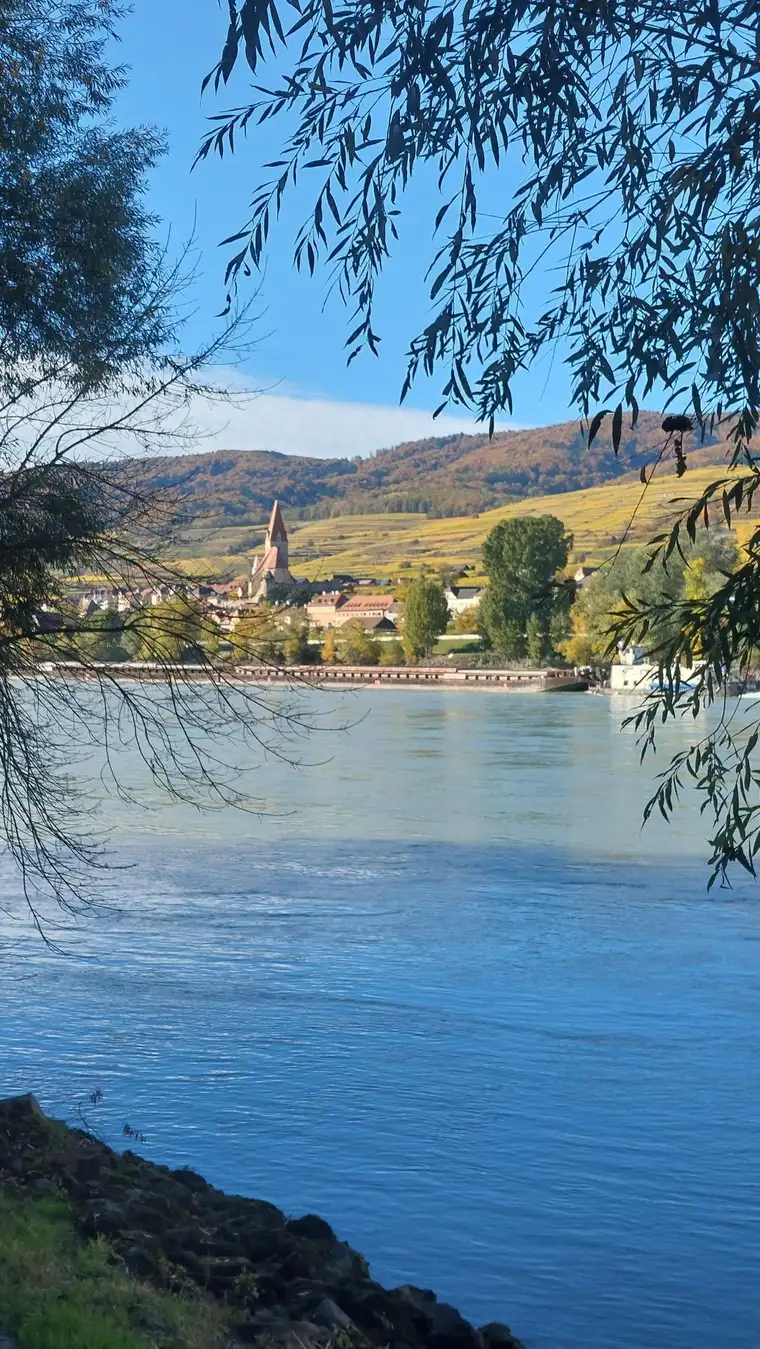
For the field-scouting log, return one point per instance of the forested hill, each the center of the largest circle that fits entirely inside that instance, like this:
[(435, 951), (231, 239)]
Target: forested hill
[(441, 476)]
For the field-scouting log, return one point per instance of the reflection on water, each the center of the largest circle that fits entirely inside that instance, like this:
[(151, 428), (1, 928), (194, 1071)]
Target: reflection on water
[(448, 996)]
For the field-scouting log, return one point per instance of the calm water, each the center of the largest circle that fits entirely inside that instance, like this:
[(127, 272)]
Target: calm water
[(449, 997)]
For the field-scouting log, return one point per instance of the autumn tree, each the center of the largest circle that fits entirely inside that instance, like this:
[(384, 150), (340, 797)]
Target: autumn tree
[(603, 602), (356, 645), (391, 653), (467, 620), (329, 650)]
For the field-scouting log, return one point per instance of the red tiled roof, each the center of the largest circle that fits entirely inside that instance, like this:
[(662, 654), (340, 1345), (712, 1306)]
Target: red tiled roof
[(269, 562), (329, 600), (363, 603)]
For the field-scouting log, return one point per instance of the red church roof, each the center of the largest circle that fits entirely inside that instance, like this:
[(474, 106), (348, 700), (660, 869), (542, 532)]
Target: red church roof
[(269, 562), (276, 530)]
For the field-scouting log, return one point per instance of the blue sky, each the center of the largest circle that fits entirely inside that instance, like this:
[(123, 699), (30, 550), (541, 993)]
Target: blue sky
[(312, 403)]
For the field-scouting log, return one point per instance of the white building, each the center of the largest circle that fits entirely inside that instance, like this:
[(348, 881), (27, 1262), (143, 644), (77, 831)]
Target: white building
[(462, 598)]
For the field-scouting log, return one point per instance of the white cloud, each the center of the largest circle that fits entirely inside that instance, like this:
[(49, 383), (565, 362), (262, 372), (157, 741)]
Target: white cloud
[(235, 415), (320, 427)]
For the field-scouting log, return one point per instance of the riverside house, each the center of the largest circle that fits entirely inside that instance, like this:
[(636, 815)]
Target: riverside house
[(323, 610)]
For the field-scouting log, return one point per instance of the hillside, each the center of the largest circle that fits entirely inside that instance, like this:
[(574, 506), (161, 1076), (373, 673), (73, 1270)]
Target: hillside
[(441, 477), (393, 544)]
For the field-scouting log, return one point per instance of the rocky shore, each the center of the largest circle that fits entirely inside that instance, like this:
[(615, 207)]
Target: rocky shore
[(282, 1281)]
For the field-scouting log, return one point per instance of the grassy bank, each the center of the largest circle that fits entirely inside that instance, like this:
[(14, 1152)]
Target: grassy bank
[(58, 1291)]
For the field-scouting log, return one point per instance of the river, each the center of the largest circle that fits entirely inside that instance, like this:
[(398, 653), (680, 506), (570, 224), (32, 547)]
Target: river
[(448, 995)]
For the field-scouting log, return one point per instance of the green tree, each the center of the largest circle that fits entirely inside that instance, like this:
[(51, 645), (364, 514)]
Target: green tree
[(391, 653), (604, 601), (377, 97), (76, 242), (105, 636), (426, 615), (93, 365), (296, 649), (707, 564), (522, 558), (537, 648), (170, 631), (355, 644)]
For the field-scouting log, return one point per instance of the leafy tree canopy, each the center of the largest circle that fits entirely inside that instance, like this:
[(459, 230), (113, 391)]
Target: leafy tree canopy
[(696, 574), (76, 254), (426, 615), (355, 645), (621, 140), (171, 630), (522, 558)]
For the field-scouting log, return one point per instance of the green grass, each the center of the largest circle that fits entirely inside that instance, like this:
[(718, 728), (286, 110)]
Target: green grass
[(457, 641), (57, 1292)]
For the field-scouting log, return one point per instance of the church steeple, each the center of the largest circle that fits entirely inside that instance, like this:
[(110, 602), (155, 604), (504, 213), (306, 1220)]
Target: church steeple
[(272, 568), (277, 534)]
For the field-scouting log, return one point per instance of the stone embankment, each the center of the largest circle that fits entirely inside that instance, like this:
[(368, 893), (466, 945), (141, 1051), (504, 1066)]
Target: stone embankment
[(286, 1282)]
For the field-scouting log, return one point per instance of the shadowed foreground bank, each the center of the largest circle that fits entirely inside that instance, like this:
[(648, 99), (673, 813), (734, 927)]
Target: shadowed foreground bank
[(165, 1259)]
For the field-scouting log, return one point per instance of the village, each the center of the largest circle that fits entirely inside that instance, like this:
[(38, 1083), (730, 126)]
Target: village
[(271, 622), (369, 604)]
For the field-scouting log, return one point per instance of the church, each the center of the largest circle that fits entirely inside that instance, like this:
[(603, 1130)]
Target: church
[(271, 569)]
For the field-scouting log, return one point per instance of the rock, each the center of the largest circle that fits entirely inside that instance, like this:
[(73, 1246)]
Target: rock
[(190, 1179), (341, 1262), (18, 1108), (311, 1227), (296, 1265), (40, 1188), (497, 1334), (446, 1328), (144, 1262), (261, 1244), (419, 1297), (7, 1343), (285, 1283), (288, 1334), (105, 1218), (449, 1330), (89, 1168), (330, 1315), (368, 1305), (185, 1239)]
